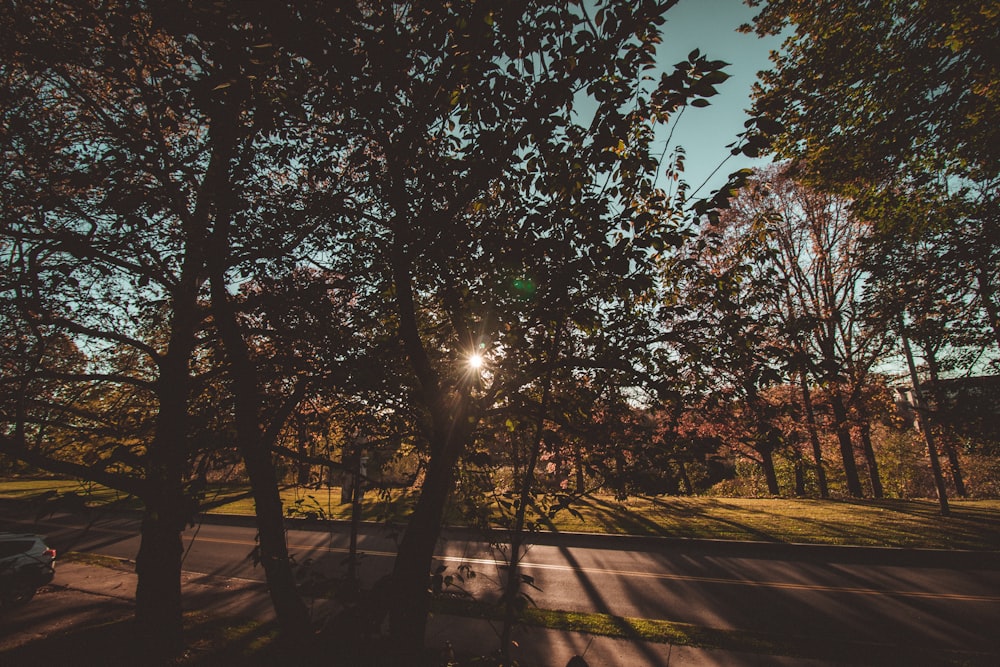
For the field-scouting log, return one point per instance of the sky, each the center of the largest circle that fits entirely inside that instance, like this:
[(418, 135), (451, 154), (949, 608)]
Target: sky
[(710, 26)]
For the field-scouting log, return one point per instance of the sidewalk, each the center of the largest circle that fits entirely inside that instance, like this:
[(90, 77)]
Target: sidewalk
[(83, 593)]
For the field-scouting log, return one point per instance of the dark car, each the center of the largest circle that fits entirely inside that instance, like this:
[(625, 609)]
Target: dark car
[(26, 563)]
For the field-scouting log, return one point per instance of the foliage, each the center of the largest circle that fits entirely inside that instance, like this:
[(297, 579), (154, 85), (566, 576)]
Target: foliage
[(880, 89), (895, 104)]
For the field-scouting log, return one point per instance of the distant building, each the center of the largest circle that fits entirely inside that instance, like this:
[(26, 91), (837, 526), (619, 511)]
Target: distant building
[(968, 407)]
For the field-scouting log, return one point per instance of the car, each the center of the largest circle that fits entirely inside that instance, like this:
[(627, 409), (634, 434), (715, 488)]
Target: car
[(26, 564)]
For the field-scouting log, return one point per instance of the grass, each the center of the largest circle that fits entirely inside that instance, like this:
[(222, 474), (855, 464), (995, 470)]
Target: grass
[(973, 524), (683, 634)]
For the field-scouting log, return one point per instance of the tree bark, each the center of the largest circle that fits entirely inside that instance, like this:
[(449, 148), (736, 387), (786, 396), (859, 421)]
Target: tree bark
[(252, 442), (846, 445), (685, 479), (947, 443), (925, 426), (158, 611), (767, 464), (824, 490), (866, 445), (800, 474), (410, 599), (254, 437)]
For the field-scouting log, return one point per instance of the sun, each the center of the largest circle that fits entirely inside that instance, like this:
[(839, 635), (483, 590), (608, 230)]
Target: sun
[(476, 361)]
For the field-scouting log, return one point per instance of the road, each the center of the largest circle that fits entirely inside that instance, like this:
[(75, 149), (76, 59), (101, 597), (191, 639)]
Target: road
[(886, 597)]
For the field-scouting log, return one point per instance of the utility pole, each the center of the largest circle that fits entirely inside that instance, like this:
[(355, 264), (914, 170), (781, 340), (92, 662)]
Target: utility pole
[(356, 461)]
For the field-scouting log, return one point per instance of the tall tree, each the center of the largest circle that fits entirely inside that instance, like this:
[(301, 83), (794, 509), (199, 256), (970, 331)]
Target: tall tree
[(890, 99), (916, 292), (797, 252), (723, 322), (108, 183), (134, 150), (818, 245), (500, 179)]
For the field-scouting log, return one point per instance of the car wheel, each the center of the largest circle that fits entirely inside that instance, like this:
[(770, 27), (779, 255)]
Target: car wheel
[(20, 592)]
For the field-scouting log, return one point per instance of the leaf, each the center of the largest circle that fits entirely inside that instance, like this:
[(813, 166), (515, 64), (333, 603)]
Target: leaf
[(700, 102), (715, 77), (769, 126)]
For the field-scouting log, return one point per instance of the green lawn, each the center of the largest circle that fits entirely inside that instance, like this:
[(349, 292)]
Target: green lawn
[(973, 524)]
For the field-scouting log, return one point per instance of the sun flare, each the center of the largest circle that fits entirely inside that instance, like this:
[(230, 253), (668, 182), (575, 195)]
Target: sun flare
[(476, 361)]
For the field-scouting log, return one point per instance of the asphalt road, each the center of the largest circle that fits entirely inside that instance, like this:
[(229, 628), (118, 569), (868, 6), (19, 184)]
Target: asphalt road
[(882, 596)]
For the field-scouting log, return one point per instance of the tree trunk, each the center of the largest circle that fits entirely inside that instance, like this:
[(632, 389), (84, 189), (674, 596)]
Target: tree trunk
[(800, 474), (410, 600), (254, 437), (158, 611), (948, 443), (866, 444), (685, 479), (290, 609), (925, 426), (824, 490), (846, 446), (767, 464)]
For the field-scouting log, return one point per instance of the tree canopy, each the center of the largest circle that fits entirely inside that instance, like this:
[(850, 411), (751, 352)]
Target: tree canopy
[(882, 89)]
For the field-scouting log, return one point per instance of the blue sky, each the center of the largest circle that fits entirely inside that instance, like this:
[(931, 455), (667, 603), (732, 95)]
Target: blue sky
[(710, 25)]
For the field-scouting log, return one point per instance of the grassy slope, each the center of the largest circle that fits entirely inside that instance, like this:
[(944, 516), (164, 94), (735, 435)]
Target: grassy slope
[(974, 524)]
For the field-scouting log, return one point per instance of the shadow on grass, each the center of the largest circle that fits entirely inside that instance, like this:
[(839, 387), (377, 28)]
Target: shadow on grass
[(621, 518), (883, 523)]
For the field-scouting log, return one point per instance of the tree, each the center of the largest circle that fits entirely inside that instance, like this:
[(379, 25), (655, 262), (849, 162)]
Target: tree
[(879, 90), (895, 103), (498, 173), (134, 153), (916, 293), (818, 245), (724, 325), (105, 197)]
